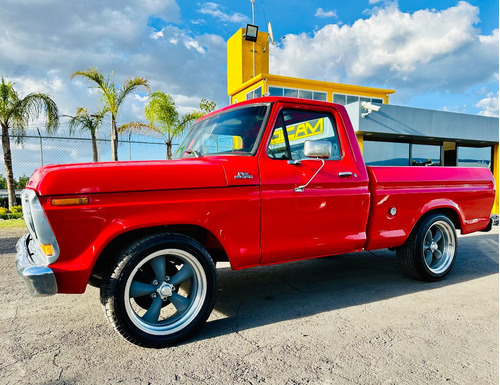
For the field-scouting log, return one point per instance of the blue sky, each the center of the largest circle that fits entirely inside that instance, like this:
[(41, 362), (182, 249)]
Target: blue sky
[(439, 55), (179, 46)]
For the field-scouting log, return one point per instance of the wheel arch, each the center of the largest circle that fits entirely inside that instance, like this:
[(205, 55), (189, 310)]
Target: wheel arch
[(106, 258), (449, 211)]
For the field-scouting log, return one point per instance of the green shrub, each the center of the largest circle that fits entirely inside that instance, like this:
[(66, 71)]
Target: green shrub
[(3, 213), (16, 209), (16, 213)]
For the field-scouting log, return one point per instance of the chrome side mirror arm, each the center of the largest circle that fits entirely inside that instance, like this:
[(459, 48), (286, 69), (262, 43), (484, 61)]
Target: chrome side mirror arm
[(303, 187)]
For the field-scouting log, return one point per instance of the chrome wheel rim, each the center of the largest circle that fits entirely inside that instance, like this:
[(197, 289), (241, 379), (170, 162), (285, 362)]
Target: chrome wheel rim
[(439, 247), (165, 292)]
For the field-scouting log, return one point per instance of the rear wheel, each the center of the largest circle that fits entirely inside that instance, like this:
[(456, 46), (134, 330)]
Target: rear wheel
[(430, 251), (160, 291)]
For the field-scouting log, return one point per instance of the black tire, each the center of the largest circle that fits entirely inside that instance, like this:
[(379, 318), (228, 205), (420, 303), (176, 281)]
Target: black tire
[(143, 294), (430, 251)]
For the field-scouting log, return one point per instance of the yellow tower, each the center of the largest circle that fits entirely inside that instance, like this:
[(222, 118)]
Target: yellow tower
[(246, 59)]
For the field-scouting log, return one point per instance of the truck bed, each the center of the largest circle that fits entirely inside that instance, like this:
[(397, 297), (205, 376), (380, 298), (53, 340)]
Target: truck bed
[(466, 194)]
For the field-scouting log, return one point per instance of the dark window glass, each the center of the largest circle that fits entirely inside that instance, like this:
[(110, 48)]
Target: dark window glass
[(386, 153), (291, 93), (305, 94), (352, 99), (338, 98), (321, 96), (425, 155), (377, 101), (275, 91), (473, 156)]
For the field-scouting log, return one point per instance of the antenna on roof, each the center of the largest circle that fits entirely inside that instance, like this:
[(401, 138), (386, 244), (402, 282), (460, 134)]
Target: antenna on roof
[(270, 32)]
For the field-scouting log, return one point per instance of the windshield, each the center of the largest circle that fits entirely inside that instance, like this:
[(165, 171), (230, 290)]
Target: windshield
[(231, 132)]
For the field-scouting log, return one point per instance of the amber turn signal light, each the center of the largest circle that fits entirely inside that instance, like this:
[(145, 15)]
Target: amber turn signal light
[(69, 201), (48, 250)]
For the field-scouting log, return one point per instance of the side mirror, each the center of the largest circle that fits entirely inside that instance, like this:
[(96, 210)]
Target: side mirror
[(317, 149)]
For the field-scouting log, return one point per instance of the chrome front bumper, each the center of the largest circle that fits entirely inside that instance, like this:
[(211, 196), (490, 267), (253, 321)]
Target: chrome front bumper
[(40, 280)]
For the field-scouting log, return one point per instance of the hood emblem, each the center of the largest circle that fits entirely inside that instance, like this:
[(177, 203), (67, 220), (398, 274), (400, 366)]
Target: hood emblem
[(243, 175)]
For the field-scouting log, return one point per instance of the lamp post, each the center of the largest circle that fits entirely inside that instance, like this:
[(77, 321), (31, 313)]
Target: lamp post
[(253, 44)]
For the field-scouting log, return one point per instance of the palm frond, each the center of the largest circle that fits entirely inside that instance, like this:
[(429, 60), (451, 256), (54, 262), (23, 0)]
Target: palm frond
[(142, 129), (129, 86), (36, 104)]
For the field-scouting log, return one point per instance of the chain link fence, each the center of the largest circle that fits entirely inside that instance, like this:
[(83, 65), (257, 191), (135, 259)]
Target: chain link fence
[(38, 149)]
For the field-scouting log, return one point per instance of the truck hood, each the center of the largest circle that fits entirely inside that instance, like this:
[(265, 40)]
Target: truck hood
[(89, 178)]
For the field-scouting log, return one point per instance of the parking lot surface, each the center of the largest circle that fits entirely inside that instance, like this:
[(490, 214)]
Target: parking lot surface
[(349, 319)]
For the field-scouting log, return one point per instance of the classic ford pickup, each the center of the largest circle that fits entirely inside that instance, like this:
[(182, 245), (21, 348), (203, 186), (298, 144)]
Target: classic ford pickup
[(266, 181)]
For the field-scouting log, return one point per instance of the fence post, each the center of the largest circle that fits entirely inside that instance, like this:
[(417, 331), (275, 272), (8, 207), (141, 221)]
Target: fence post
[(129, 147), (41, 146)]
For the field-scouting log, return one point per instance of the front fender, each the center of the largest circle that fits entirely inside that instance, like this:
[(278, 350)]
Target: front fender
[(232, 215)]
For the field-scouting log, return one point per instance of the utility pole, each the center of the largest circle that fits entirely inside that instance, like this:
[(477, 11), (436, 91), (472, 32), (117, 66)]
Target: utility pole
[(253, 44)]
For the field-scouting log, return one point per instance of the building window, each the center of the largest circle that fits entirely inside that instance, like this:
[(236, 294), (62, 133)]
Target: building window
[(297, 93), (473, 156), (425, 155), (256, 93), (305, 94), (386, 153), (339, 99), (275, 91), (321, 96), (352, 99), (347, 99), (291, 93)]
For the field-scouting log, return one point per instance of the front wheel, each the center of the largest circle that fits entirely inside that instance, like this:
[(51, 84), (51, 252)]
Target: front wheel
[(430, 251), (160, 291)]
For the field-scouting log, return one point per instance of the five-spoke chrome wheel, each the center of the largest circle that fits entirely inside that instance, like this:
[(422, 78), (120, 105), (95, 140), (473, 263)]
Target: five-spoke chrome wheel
[(175, 287), (431, 249), (439, 247), (161, 290)]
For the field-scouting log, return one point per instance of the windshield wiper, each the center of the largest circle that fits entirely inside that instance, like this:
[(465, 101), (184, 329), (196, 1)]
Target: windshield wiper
[(196, 153)]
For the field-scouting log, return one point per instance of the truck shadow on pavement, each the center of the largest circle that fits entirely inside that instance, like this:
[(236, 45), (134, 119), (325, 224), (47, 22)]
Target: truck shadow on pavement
[(265, 295)]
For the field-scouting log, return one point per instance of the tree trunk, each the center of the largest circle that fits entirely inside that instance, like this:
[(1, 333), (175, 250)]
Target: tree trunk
[(169, 149), (94, 146), (7, 157), (114, 140)]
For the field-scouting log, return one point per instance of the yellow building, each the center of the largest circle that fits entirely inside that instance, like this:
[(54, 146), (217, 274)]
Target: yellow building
[(394, 136), (248, 77)]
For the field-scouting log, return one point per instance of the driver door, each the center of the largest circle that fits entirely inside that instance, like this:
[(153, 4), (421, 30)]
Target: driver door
[(330, 215)]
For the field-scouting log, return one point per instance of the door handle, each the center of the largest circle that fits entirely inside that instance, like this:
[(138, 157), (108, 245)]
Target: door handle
[(345, 174)]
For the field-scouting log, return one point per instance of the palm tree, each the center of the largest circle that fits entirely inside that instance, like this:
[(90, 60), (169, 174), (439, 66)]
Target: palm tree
[(164, 119), (86, 121), (111, 98), (15, 113)]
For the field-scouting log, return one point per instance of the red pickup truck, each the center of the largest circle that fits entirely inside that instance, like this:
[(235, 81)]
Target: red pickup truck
[(262, 182)]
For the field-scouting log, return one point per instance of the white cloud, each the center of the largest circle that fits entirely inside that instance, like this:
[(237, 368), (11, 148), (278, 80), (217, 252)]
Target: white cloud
[(488, 105), (424, 50), (322, 13), (215, 10), (41, 49)]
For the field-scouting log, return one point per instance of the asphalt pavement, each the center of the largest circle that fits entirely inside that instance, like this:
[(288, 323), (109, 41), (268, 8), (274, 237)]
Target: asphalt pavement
[(349, 319)]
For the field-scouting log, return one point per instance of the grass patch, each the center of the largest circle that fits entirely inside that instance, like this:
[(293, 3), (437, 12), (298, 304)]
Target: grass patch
[(12, 224)]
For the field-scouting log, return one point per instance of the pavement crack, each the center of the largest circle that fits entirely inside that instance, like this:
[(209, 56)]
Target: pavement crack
[(61, 370)]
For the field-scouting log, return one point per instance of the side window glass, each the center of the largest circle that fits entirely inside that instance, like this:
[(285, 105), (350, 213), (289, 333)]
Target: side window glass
[(278, 148), (294, 127)]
